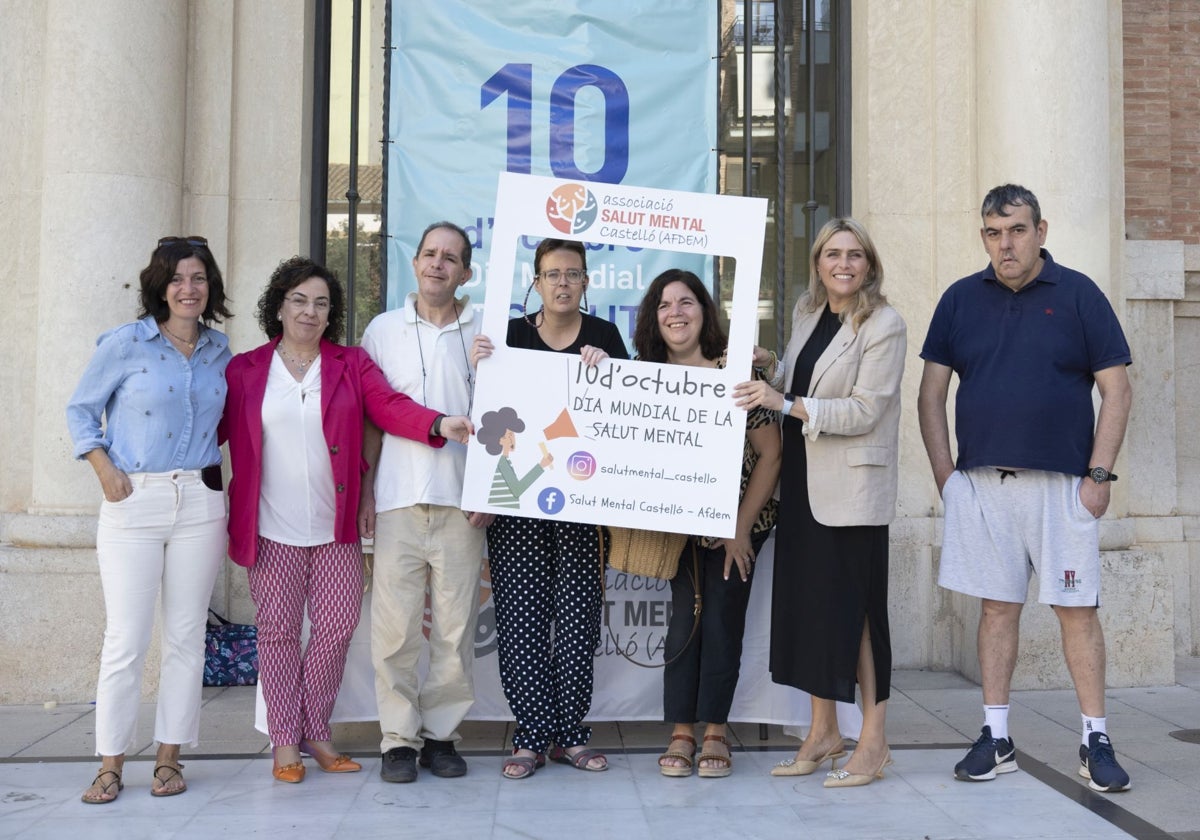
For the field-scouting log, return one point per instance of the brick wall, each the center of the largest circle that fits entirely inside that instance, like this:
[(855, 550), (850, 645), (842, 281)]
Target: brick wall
[(1162, 119)]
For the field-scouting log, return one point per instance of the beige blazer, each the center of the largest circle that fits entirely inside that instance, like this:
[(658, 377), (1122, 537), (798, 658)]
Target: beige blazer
[(852, 465)]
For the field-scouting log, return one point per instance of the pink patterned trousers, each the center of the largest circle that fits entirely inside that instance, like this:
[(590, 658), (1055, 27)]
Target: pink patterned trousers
[(300, 686)]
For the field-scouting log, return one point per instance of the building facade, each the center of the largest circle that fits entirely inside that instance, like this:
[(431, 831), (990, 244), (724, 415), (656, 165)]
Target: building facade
[(138, 118)]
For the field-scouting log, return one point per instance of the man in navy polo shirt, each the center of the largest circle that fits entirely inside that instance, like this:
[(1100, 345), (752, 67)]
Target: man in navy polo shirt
[(1028, 339)]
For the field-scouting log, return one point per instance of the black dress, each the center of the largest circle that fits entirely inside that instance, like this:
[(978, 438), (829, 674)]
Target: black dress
[(827, 580)]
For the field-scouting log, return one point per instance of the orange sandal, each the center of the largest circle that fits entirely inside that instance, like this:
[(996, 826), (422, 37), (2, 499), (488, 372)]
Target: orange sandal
[(330, 762)]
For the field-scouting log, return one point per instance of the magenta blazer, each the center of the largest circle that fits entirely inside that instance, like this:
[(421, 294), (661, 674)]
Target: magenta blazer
[(351, 385)]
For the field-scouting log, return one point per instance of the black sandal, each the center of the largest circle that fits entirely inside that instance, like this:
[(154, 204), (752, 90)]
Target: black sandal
[(105, 787)]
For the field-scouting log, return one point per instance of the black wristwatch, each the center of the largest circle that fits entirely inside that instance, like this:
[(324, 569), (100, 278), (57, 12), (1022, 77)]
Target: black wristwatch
[(437, 425), (1101, 475)]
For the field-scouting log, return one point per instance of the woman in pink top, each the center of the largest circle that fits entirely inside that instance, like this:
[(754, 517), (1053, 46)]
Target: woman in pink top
[(294, 422)]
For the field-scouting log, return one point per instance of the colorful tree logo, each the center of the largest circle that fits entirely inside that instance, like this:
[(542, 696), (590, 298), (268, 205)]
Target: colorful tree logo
[(571, 208)]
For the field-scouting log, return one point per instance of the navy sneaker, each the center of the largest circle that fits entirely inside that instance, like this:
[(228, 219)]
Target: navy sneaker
[(1098, 764), (987, 757)]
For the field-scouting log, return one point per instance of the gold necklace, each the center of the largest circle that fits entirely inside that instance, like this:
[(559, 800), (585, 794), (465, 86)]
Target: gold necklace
[(191, 345), (300, 363)]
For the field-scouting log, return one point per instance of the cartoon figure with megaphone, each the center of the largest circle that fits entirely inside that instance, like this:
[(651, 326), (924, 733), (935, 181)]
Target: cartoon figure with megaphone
[(498, 433)]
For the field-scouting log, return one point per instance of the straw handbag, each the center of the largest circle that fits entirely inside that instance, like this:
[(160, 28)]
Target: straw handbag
[(647, 553)]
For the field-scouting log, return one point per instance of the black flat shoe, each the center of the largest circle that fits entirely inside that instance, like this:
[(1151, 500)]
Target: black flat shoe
[(399, 765), (443, 759)]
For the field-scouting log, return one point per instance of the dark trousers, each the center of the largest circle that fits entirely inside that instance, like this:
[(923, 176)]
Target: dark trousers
[(699, 685), (545, 575)]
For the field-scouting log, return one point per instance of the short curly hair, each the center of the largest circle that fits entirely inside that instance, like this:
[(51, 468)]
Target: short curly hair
[(288, 275), (495, 424)]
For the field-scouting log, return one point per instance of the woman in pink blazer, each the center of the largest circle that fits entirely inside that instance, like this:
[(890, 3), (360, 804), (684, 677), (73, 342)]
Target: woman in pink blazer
[(837, 494), (294, 423)]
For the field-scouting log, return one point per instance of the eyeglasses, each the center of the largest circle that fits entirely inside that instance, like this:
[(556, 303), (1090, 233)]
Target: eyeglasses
[(194, 241), (573, 276), (301, 302)]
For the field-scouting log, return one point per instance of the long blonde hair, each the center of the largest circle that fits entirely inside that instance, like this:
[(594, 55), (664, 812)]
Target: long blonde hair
[(870, 295)]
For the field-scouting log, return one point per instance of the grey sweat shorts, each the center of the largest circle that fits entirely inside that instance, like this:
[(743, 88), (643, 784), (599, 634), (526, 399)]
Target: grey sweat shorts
[(1001, 527)]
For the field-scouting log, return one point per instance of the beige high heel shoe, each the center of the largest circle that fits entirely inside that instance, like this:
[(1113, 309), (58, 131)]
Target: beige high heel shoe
[(840, 778), (804, 767)]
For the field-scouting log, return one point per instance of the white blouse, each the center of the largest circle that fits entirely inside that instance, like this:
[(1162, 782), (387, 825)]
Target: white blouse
[(297, 504)]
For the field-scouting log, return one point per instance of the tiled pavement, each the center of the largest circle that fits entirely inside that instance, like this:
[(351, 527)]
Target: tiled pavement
[(46, 761)]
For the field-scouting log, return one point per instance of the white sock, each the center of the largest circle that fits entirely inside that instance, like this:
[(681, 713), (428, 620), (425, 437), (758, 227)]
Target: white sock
[(1091, 724), (996, 718)]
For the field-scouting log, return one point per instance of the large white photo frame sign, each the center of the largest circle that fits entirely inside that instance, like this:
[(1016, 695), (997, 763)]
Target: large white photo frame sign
[(638, 444)]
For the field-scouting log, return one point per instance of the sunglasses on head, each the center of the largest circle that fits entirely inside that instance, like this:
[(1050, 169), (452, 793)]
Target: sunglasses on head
[(194, 241)]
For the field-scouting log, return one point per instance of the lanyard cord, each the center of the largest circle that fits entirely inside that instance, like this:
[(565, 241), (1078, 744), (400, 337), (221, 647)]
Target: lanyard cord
[(462, 342)]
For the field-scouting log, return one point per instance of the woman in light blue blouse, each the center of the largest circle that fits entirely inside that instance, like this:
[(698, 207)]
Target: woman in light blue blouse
[(145, 417)]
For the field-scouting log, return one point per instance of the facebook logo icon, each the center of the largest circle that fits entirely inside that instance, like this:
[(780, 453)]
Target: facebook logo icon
[(551, 500)]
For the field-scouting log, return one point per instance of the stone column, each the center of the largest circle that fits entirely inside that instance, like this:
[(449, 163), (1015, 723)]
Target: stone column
[(22, 40), (270, 177), (101, 171), (1045, 120), (1162, 336), (114, 115)]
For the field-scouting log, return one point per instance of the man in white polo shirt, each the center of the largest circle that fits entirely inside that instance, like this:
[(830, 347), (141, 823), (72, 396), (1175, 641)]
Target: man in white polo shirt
[(410, 504)]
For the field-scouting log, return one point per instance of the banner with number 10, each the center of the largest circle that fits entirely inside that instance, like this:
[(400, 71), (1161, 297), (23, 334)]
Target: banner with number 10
[(611, 91)]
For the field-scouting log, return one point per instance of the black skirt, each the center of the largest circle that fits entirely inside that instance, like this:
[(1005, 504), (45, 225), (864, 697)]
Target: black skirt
[(827, 580)]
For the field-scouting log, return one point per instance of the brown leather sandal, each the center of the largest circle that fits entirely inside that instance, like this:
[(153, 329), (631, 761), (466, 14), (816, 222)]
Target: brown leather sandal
[(675, 770), (725, 762)]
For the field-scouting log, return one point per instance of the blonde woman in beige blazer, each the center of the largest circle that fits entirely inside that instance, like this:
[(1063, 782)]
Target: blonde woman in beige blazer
[(840, 377)]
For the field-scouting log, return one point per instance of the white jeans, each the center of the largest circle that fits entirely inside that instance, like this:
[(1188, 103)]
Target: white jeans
[(168, 536)]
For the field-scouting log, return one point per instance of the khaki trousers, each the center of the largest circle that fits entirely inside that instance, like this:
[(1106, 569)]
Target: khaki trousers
[(416, 547)]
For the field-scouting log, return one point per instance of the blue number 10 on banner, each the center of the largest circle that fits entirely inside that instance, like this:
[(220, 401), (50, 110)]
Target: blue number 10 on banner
[(517, 81)]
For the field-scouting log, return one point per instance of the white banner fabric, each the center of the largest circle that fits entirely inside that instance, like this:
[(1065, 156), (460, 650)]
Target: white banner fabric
[(636, 613)]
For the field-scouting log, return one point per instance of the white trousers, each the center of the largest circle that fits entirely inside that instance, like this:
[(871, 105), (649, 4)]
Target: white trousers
[(418, 546), (168, 538)]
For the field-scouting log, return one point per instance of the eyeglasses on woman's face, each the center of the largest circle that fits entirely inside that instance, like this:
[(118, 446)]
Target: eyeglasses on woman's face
[(302, 302), (572, 276)]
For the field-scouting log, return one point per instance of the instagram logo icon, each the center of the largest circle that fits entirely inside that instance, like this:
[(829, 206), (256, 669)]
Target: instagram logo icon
[(581, 466)]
